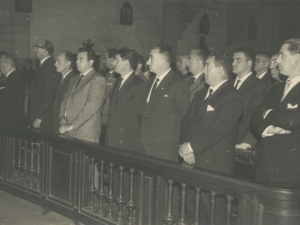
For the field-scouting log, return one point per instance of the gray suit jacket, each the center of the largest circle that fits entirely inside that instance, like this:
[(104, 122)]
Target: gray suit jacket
[(81, 107), (197, 85)]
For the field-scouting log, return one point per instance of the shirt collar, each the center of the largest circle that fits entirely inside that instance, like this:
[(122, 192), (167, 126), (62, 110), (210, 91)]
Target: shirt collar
[(125, 77), (244, 77), (64, 76), (198, 75), (294, 80), (10, 72), (161, 77), (44, 59), (84, 74), (217, 86), (262, 75)]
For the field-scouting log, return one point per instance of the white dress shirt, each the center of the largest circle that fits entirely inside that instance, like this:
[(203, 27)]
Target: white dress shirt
[(241, 80), (125, 77)]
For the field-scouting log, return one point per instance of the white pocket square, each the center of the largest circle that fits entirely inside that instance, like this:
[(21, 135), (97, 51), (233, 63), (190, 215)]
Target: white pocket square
[(289, 106), (209, 108), (166, 96)]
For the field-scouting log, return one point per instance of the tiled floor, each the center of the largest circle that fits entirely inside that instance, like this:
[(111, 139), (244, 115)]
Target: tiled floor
[(16, 211)]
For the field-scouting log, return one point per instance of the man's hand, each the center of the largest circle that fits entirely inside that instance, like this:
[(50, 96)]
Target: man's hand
[(37, 123), (184, 149), (189, 158), (278, 130), (244, 146), (65, 128)]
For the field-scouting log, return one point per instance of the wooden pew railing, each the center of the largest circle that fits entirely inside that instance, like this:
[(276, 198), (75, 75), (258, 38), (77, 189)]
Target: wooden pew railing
[(95, 184)]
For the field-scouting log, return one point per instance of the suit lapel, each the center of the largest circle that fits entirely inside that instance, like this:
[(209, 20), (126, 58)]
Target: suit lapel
[(294, 92), (84, 80), (197, 82), (124, 87), (210, 100), (163, 85), (247, 83)]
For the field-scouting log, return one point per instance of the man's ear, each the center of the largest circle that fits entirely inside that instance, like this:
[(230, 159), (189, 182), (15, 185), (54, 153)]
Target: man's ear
[(91, 62)]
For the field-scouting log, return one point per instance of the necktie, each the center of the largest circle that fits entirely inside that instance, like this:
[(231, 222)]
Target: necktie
[(287, 85), (193, 80), (154, 87), (237, 83), (210, 91), (117, 86), (79, 80)]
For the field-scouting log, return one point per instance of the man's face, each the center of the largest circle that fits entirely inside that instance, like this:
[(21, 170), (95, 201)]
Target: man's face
[(155, 60), (82, 63), (120, 65), (286, 61), (194, 64), (274, 66), (40, 50), (212, 75), (109, 62), (182, 63), (62, 64), (240, 65), (261, 63)]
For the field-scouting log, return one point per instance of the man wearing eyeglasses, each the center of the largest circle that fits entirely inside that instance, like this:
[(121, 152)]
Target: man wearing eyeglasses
[(252, 91), (262, 63), (43, 88)]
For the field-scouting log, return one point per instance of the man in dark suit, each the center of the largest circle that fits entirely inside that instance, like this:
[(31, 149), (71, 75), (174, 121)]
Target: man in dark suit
[(252, 91), (262, 63), (43, 88), (126, 100), (209, 129), (12, 94), (109, 62), (167, 100), (64, 64), (277, 120), (182, 66), (195, 64)]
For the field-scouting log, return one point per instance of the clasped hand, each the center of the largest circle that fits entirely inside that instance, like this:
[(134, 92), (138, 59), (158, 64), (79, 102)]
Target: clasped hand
[(186, 153), (277, 130)]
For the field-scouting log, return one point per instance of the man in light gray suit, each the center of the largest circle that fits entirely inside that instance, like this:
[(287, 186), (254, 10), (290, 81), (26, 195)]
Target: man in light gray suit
[(196, 64), (80, 111)]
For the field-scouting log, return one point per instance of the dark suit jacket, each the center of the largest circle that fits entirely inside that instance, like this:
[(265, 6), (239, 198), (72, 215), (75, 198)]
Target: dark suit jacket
[(162, 117), (59, 98), (28, 75), (125, 114), (42, 93), (81, 107), (197, 85), (268, 79), (212, 134), (12, 96), (279, 155), (252, 92)]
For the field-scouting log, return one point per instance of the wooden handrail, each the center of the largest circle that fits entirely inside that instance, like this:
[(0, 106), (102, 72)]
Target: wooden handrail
[(254, 200)]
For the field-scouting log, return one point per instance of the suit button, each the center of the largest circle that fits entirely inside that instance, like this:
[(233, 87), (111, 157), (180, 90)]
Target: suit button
[(145, 118)]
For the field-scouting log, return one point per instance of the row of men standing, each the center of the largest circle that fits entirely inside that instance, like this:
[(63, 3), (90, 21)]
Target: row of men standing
[(154, 117)]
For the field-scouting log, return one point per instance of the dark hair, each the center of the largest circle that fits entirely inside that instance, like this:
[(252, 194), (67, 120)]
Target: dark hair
[(11, 60), (265, 54), (29, 61), (142, 61), (130, 55), (165, 50), (294, 45), (249, 53), (111, 53), (69, 57), (221, 59), (201, 54), (90, 53), (48, 47)]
